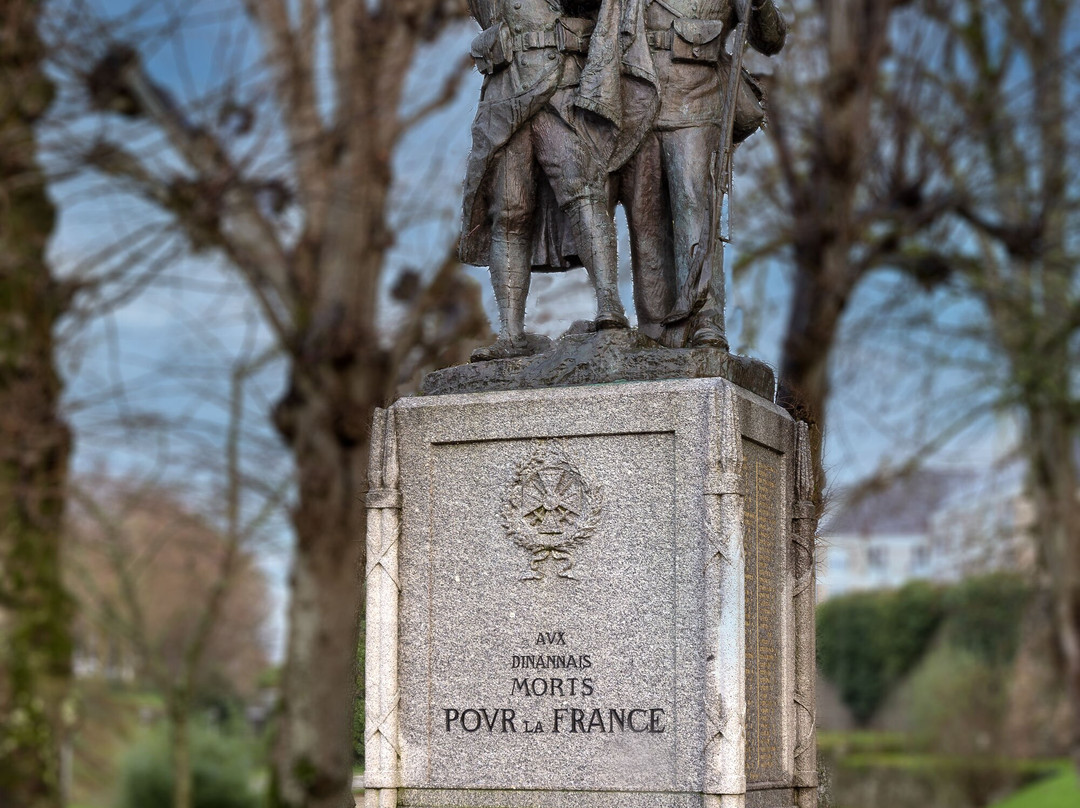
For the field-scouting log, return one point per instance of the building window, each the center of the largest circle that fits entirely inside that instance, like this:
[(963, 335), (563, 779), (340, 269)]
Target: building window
[(877, 558)]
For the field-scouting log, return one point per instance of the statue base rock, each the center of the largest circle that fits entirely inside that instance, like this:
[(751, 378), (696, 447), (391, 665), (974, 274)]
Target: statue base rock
[(617, 355)]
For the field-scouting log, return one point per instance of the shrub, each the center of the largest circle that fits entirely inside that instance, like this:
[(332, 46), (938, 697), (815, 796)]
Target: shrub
[(221, 768), (957, 703), (869, 640), (925, 781), (984, 616)]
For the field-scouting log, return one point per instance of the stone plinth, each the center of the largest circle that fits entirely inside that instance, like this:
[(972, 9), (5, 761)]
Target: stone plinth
[(589, 596), (619, 355)]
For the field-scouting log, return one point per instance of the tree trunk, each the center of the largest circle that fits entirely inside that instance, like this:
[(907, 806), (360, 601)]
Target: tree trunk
[(338, 376), (180, 737), (1054, 483), (314, 748), (1050, 400), (35, 639), (823, 213), (804, 368)]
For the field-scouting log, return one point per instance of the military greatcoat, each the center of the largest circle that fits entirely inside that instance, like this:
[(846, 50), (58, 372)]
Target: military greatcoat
[(531, 55)]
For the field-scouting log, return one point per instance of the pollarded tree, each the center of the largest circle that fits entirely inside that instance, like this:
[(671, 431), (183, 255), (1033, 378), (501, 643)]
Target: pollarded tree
[(309, 232), (846, 185)]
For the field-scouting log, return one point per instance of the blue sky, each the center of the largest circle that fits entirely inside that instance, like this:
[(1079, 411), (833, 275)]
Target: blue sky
[(148, 385)]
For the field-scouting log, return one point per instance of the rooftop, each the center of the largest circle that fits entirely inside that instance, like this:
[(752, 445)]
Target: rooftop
[(898, 505)]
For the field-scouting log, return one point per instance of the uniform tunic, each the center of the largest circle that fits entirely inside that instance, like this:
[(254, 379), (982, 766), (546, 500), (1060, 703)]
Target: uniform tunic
[(692, 93)]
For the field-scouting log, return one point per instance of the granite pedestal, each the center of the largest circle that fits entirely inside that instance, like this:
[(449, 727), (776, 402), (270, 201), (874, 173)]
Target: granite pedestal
[(594, 595)]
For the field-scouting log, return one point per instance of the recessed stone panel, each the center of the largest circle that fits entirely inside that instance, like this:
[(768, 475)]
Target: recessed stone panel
[(547, 652), (765, 556)]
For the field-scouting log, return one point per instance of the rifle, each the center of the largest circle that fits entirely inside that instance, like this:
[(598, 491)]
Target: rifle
[(723, 161), (726, 151)]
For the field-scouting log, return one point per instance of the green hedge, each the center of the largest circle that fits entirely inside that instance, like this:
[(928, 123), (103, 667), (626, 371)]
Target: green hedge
[(868, 641), (917, 780), (984, 616)]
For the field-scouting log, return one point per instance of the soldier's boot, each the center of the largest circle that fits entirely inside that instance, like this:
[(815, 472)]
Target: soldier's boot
[(594, 232), (707, 326), (708, 329), (510, 275)]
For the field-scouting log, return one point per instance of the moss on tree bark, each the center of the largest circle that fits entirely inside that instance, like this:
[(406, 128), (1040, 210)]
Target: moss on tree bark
[(35, 639)]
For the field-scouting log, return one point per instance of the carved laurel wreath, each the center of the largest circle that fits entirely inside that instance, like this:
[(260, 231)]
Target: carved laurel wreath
[(550, 505)]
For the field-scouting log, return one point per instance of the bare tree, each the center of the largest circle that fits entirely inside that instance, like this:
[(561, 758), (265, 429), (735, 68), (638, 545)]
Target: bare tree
[(1006, 136), (310, 234), (143, 530), (850, 186), (35, 641), (954, 163)]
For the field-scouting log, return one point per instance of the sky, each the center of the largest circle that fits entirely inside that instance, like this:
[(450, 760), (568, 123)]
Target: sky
[(149, 385)]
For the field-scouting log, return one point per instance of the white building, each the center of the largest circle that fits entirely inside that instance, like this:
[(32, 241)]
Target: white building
[(931, 525)]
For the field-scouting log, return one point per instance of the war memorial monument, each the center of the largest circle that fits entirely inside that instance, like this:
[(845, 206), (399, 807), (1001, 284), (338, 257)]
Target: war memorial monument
[(590, 579)]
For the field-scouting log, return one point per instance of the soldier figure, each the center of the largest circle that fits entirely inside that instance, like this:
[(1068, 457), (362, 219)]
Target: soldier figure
[(669, 189), (536, 195)]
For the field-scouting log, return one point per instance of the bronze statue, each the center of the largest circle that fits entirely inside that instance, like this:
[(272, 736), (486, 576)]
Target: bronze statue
[(673, 188), (578, 91), (536, 195)]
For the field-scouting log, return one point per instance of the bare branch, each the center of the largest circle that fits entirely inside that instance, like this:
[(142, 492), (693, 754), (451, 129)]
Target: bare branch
[(201, 222), (120, 83), (445, 320), (445, 96), (113, 532), (291, 56)]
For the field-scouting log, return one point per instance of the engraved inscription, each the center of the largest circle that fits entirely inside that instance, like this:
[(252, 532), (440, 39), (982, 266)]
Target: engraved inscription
[(538, 717), (764, 594), (550, 510)]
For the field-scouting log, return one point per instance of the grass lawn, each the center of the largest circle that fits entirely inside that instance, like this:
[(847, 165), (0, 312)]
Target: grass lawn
[(1060, 791)]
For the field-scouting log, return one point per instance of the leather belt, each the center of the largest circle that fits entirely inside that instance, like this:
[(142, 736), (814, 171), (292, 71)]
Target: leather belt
[(534, 40), (661, 40), (539, 40)]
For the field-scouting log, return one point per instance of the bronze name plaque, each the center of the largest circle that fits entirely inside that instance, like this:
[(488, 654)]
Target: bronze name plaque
[(765, 568)]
